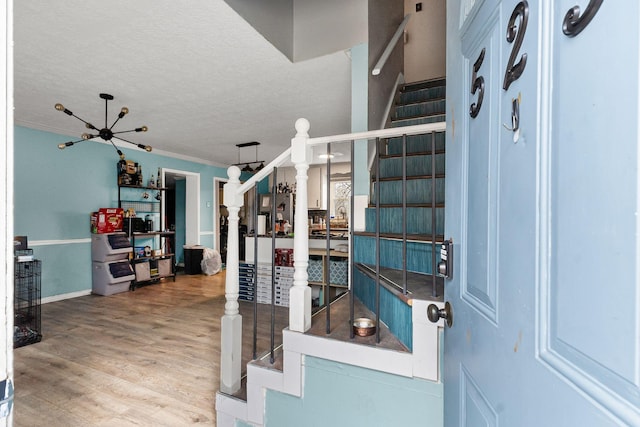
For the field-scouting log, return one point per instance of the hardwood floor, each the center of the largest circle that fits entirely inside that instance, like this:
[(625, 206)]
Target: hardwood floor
[(143, 358)]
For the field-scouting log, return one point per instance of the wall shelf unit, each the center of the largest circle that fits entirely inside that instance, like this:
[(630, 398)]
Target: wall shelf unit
[(158, 261)]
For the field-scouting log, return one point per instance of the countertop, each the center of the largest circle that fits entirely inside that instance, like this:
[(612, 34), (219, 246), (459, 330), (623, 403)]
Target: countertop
[(315, 236)]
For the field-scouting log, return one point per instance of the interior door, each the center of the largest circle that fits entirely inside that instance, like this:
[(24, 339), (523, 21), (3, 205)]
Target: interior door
[(544, 220)]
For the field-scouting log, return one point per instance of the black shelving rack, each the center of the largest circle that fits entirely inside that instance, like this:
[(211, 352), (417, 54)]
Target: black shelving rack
[(26, 307)]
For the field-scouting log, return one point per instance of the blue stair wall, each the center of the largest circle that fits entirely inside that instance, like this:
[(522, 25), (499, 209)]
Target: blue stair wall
[(422, 103)]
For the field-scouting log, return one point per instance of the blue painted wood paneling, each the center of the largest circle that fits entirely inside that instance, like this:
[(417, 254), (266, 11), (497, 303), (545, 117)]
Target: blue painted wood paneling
[(418, 253), (421, 109), (416, 143), (417, 165), (395, 313), (418, 220), (423, 95), (417, 191)]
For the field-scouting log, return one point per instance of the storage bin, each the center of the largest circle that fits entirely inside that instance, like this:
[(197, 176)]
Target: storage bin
[(339, 271), (314, 270), (193, 259)]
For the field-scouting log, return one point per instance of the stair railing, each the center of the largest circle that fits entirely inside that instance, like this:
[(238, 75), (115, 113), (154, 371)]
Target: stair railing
[(390, 46), (300, 293)]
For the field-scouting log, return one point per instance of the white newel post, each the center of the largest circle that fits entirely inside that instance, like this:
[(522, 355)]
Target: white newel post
[(300, 292), (231, 322)]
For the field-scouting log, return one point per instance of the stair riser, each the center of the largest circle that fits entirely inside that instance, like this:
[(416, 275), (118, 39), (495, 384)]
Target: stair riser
[(419, 165), (417, 190), (418, 254), (421, 95), (416, 143), (418, 221), (422, 109)]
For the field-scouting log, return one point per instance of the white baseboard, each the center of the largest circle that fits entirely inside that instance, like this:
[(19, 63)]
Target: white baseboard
[(61, 297)]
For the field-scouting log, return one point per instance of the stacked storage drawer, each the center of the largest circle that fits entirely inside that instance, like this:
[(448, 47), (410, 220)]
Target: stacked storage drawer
[(247, 282), (259, 289), (284, 282)]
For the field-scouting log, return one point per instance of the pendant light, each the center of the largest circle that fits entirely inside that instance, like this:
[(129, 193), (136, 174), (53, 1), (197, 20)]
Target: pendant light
[(247, 167)]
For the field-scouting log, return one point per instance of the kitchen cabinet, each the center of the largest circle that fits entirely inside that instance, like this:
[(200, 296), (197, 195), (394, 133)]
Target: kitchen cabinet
[(315, 195)]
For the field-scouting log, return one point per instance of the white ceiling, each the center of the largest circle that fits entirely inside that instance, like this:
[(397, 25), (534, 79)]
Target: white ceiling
[(199, 76)]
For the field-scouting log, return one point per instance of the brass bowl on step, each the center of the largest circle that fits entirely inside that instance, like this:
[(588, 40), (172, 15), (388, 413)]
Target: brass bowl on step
[(364, 327)]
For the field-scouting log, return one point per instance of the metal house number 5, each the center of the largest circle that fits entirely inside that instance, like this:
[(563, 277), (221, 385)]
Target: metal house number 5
[(477, 84), (574, 23), (515, 32)]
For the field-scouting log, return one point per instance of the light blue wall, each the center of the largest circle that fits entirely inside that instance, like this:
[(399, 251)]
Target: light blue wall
[(336, 394), (55, 191)]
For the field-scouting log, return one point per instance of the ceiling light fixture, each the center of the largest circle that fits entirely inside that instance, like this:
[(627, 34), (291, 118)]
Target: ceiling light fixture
[(329, 156), (247, 167), (106, 132)]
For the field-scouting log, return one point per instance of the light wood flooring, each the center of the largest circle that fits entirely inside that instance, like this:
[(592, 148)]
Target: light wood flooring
[(144, 358)]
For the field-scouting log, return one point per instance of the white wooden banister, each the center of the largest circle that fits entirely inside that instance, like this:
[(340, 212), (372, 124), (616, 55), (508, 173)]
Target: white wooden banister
[(300, 292), (231, 322)]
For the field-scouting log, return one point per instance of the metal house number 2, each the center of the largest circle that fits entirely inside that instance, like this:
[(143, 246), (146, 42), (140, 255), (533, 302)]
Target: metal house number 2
[(515, 32)]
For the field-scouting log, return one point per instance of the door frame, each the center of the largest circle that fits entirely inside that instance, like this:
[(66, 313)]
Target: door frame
[(216, 210), (6, 198), (192, 204)]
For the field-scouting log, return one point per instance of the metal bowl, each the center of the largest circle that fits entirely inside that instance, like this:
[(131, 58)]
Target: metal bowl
[(364, 327)]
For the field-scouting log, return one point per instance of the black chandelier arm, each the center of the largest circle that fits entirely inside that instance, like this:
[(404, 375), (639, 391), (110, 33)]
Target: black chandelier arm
[(141, 146), (123, 112), (140, 129), (70, 143), (120, 153), (61, 108)]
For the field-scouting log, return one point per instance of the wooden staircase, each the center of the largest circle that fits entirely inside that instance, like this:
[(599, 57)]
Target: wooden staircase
[(409, 252)]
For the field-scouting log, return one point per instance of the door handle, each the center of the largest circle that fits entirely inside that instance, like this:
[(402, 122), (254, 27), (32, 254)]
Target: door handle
[(435, 314)]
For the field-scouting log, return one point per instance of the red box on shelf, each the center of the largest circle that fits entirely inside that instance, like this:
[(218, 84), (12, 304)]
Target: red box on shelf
[(284, 257), (107, 220)]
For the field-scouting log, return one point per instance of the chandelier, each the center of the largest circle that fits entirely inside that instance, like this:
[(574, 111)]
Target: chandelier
[(246, 167), (106, 132)]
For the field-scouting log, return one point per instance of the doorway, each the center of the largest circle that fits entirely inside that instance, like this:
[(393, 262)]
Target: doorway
[(181, 208), (220, 216)]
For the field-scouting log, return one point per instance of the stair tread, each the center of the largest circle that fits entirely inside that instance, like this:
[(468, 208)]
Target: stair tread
[(424, 101), (398, 178), (409, 205), (422, 116), (424, 84), (419, 285), (412, 154), (398, 236)]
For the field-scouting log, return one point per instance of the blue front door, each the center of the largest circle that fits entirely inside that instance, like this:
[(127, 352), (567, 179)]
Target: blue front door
[(545, 288)]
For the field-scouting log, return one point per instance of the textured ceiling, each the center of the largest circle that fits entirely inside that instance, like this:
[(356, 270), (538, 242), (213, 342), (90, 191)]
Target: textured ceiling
[(199, 76)]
